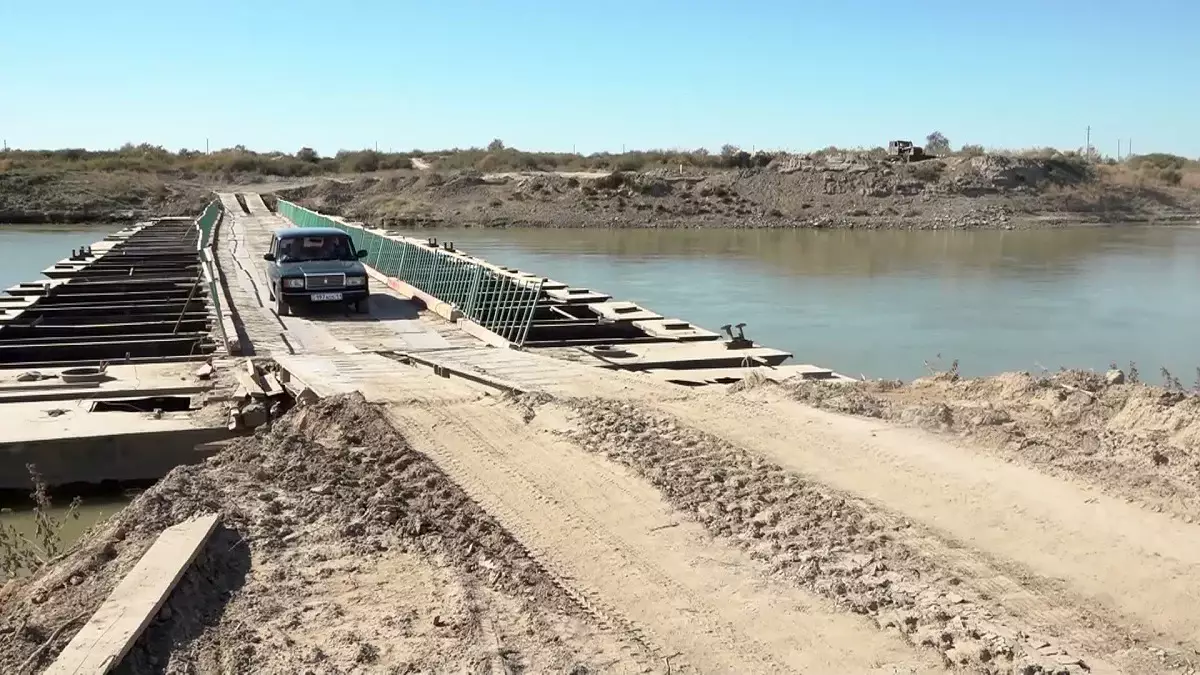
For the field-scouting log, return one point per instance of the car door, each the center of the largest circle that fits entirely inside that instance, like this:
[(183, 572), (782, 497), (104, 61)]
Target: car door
[(273, 265)]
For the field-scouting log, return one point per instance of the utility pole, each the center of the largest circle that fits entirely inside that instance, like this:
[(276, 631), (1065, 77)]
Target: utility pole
[(1087, 147), (206, 145)]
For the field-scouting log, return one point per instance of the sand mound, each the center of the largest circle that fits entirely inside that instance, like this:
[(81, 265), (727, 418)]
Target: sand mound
[(339, 546), (1136, 440)]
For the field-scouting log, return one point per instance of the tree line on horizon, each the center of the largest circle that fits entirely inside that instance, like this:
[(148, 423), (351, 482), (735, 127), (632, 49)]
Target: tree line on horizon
[(496, 156)]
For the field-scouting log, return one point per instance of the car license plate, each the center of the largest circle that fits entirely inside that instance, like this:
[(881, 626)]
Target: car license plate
[(326, 297)]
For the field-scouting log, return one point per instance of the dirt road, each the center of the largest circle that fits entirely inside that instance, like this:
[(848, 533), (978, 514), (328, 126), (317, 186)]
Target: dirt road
[(695, 524), (1101, 579), (639, 568)]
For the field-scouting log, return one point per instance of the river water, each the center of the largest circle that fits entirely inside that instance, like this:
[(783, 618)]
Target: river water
[(884, 303), (26, 250)]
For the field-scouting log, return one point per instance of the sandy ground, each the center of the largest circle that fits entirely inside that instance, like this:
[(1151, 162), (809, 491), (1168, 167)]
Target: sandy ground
[(340, 550), (1136, 441), (638, 528)]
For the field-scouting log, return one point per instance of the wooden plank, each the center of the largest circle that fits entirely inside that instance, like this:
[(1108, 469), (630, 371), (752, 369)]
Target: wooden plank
[(274, 386), (103, 642), (250, 384)]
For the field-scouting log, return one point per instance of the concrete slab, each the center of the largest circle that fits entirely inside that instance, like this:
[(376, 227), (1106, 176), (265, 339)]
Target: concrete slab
[(22, 422), (688, 355), (576, 295), (701, 376), (620, 310), (69, 444), (675, 329)]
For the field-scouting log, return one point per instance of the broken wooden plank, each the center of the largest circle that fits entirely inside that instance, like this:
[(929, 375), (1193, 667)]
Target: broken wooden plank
[(100, 645), (250, 384), (273, 386)]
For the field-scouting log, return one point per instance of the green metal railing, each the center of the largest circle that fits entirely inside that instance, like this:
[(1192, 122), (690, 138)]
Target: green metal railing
[(207, 220), (206, 223), (498, 300)]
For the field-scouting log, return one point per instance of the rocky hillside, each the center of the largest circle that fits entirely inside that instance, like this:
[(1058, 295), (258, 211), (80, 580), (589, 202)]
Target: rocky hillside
[(837, 190)]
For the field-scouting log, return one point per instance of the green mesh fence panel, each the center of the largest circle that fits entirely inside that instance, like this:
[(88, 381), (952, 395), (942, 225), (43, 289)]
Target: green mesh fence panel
[(492, 298), (206, 223)]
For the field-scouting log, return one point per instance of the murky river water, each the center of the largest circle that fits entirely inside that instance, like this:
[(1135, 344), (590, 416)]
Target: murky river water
[(25, 251), (883, 303)]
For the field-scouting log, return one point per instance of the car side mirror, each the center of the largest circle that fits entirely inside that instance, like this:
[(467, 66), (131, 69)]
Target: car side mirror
[(269, 257), (361, 254)]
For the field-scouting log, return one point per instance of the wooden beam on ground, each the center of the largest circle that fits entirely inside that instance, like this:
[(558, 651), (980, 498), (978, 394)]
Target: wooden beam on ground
[(100, 645)]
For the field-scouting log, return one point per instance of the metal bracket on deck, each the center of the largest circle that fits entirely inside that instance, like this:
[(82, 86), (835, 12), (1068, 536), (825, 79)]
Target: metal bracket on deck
[(738, 341)]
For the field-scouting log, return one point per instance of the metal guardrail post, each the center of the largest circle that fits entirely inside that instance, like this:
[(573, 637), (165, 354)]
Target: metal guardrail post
[(473, 294), (374, 258), (404, 247), (537, 294), (503, 306)]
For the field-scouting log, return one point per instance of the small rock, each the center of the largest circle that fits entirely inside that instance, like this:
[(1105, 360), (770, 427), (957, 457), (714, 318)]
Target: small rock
[(254, 415), (1115, 377)]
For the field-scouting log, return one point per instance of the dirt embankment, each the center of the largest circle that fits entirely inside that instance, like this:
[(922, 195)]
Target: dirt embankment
[(1137, 441), (834, 191), (838, 190), (79, 197), (340, 550)]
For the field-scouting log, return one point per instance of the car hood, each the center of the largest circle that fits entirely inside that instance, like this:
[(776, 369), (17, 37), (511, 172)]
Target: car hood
[(350, 267)]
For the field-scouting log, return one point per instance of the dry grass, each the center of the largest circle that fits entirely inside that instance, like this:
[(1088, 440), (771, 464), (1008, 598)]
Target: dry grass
[(19, 553)]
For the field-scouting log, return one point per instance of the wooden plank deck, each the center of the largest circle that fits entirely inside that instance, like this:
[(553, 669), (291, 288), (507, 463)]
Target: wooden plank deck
[(255, 204)]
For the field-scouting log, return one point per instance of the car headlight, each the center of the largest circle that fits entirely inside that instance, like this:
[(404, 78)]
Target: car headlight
[(293, 283), (356, 281)]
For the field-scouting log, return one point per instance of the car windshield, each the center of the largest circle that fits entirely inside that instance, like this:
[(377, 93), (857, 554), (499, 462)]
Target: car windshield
[(324, 247)]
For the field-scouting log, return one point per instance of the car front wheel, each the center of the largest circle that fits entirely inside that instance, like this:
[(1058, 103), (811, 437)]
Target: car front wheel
[(281, 306)]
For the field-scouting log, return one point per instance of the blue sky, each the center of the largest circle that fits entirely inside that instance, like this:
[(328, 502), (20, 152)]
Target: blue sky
[(594, 76)]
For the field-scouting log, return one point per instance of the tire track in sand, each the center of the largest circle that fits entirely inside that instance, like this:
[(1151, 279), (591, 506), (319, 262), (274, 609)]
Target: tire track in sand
[(664, 583), (1067, 561)]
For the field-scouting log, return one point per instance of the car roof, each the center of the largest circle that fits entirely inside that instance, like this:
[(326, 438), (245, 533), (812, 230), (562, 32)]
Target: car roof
[(290, 232)]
